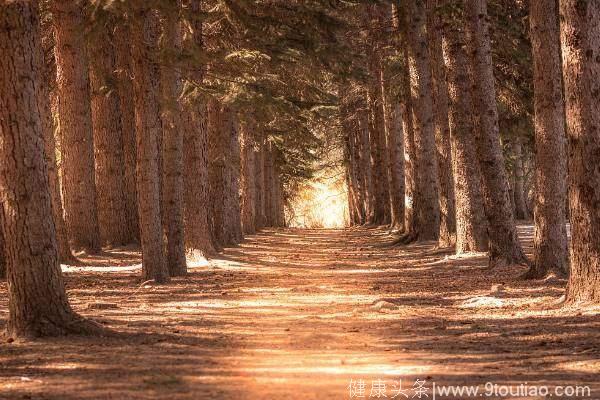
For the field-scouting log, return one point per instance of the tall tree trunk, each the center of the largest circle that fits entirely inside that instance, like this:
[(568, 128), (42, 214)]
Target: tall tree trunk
[(580, 34), (395, 151), (268, 184), (248, 180), (79, 187), (198, 234), (108, 140), (379, 155), (144, 33), (232, 212), (427, 208), (217, 141), (48, 127), (447, 234), (259, 211), (471, 223), (550, 239), (172, 153), (38, 303), (504, 244), (127, 107), (519, 192), (365, 161)]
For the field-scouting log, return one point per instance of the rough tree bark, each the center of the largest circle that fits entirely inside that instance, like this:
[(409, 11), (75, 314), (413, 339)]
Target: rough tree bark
[(217, 144), (198, 235), (49, 125), (2, 257), (38, 303), (550, 239), (504, 246), (471, 224), (427, 208), (108, 139), (232, 213), (126, 105), (395, 150), (268, 183), (580, 36), (248, 179), (365, 159), (447, 235), (78, 180), (144, 34), (172, 152)]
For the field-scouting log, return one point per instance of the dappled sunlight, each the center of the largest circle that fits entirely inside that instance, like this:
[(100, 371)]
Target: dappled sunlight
[(296, 314)]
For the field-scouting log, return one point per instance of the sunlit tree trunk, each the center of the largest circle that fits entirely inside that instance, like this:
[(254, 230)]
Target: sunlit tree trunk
[(580, 36), (268, 165), (471, 223), (447, 234), (37, 302), (108, 140), (365, 161), (126, 105), (198, 234), (248, 179), (217, 141), (232, 212), (504, 246), (172, 152), (78, 180), (427, 208), (50, 150), (144, 33), (395, 151)]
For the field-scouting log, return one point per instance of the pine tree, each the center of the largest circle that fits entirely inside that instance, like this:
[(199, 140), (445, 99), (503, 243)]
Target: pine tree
[(78, 179), (580, 36), (38, 304)]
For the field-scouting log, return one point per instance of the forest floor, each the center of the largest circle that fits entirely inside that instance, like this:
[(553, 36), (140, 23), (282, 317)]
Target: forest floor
[(310, 314)]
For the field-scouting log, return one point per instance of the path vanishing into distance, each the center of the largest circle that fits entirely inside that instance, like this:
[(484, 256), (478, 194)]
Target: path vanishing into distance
[(308, 314)]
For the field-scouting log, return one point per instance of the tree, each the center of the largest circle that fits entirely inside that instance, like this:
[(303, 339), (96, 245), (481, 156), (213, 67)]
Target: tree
[(2, 256), (126, 105), (471, 232), (447, 234), (38, 303), (78, 179), (259, 213), (144, 34), (108, 138), (504, 246), (172, 150), (198, 234), (580, 36), (427, 208), (232, 212), (550, 239), (248, 179)]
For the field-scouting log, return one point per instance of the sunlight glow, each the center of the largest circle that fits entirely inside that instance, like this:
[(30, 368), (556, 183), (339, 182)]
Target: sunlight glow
[(321, 203)]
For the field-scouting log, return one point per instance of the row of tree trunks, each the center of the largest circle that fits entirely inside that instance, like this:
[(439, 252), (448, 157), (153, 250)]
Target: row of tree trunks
[(37, 300), (232, 214), (108, 140), (73, 90)]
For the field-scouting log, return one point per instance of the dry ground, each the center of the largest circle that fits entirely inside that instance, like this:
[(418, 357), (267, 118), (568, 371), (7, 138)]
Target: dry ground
[(289, 315)]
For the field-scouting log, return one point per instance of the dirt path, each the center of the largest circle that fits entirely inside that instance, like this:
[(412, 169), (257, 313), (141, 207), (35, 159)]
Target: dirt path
[(289, 315)]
